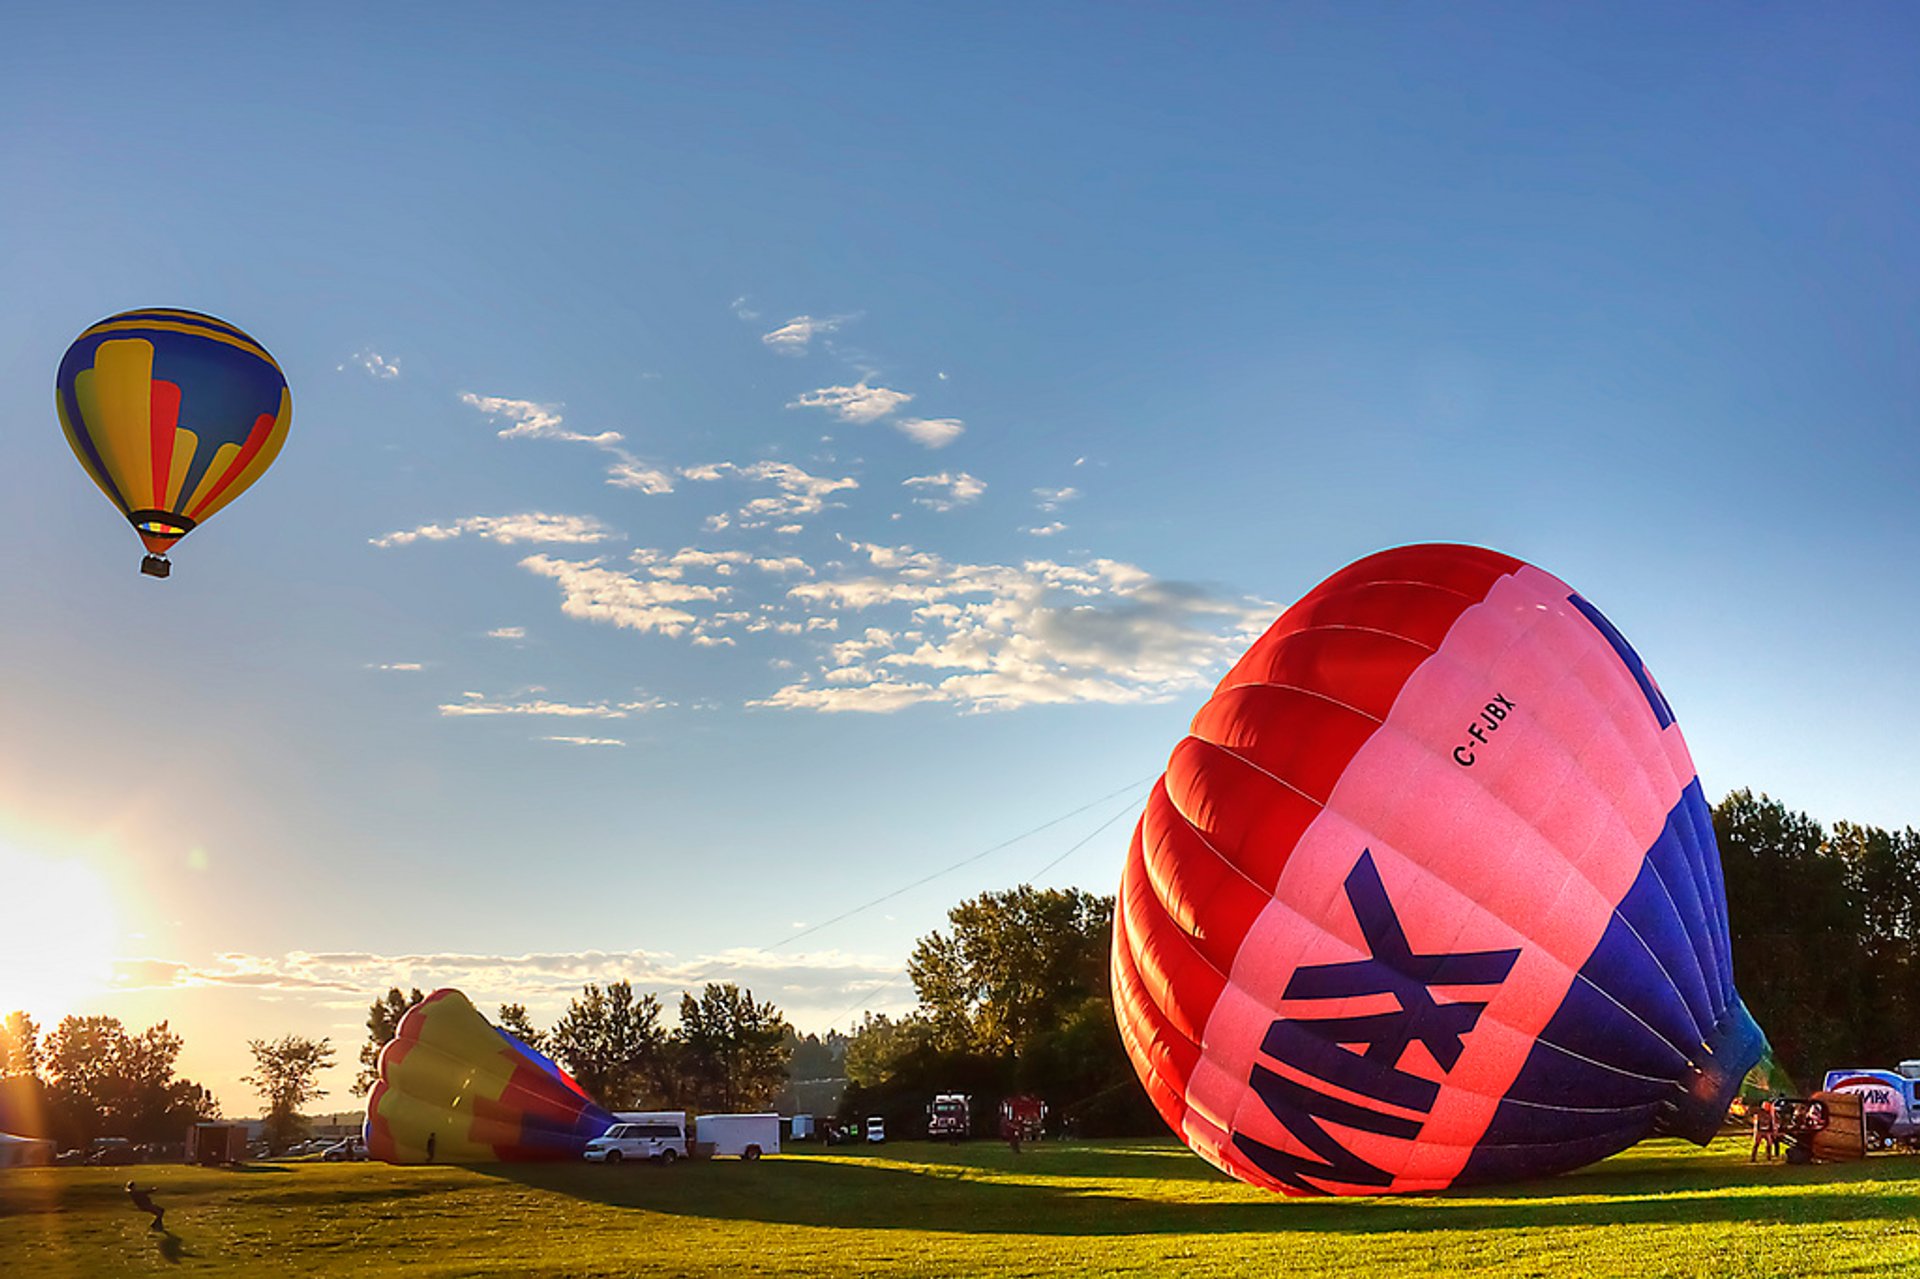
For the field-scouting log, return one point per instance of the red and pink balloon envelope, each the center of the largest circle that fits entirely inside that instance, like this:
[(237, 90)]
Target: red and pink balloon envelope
[(1429, 895)]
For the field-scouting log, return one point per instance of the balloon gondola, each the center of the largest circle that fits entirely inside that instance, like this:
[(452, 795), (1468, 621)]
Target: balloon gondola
[(1429, 895), (173, 414)]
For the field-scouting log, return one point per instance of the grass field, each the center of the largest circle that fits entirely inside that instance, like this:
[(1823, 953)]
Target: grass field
[(919, 1209)]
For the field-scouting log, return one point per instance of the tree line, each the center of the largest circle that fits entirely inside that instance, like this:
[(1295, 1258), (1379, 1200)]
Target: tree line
[(1825, 925), (1012, 996), (90, 1077), (728, 1052)]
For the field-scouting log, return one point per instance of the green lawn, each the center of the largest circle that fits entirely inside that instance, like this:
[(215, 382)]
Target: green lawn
[(914, 1208)]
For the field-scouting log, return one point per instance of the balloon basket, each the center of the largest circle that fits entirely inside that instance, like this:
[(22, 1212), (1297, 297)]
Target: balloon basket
[(156, 566)]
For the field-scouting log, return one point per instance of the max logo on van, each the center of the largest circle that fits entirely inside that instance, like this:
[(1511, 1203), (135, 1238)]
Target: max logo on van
[(1322, 1048)]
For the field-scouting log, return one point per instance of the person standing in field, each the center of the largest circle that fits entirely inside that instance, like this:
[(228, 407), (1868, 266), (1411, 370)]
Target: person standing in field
[(430, 1144), (1766, 1131), (143, 1200)]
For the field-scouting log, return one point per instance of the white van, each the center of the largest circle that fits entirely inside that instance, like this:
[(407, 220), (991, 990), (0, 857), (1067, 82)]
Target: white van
[(745, 1136), (659, 1136)]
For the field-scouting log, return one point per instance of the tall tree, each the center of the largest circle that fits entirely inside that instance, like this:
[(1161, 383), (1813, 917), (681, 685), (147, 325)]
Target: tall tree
[(101, 1081), (514, 1020), (880, 1045), (612, 1042), (383, 1020), (1012, 965), (731, 1052), (19, 1046), (286, 1074)]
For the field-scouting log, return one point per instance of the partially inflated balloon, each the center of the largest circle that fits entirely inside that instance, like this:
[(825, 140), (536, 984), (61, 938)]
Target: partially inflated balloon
[(1429, 896), (475, 1091), (173, 414)]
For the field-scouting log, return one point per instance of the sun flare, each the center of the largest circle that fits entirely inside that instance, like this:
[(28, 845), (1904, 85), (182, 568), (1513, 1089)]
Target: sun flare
[(57, 945)]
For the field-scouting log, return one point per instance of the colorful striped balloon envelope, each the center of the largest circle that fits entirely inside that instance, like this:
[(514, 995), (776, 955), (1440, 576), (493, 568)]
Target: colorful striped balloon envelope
[(1429, 895), (454, 1088), (173, 414)]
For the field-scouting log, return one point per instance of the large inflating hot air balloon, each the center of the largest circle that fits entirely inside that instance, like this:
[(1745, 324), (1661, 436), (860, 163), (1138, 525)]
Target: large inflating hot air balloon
[(173, 414), (475, 1092), (1429, 896)]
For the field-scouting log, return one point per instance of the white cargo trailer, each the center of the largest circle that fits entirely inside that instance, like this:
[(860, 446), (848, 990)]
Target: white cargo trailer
[(743, 1136)]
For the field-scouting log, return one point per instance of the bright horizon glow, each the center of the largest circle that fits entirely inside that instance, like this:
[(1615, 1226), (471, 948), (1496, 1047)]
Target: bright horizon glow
[(57, 948)]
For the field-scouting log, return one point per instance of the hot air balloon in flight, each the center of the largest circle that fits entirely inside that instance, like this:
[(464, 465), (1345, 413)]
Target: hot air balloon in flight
[(173, 414), (453, 1088), (1429, 895)]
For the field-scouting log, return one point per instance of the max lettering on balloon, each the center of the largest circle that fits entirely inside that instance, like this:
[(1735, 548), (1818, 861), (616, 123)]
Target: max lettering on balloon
[(1492, 716), (1323, 1048)]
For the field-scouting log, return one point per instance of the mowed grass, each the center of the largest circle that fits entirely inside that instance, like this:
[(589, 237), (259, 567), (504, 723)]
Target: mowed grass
[(919, 1209)]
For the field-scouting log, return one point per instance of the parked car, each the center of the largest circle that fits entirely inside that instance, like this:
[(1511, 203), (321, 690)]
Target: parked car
[(876, 1130), (660, 1138), (112, 1150), (350, 1150)]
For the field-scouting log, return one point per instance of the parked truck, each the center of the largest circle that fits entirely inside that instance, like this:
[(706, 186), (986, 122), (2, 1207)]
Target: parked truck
[(949, 1116), (1888, 1100), (216, 1143)]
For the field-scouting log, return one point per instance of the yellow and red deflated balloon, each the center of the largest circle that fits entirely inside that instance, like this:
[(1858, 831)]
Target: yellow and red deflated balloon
[(454, 1088)]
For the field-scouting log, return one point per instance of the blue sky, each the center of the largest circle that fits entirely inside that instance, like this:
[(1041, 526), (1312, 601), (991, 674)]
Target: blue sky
[(1096, 334)]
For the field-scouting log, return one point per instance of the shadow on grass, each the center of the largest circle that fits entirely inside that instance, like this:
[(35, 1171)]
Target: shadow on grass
[(860, 1195), (171, 1249)]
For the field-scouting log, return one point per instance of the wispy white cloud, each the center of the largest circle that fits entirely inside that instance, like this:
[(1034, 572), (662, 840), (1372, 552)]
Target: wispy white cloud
[(1000, 636), (946, 490), (376, 365), (480, 704), (629, 473), (858, 403), (585, 741), (1053, 499), (800, 493), (809, 987), (532, 420), (793, 337), (507, 633), (396, 666), (933, 432), (1048, 530), (530, 526), (593, 592), (743, 307)]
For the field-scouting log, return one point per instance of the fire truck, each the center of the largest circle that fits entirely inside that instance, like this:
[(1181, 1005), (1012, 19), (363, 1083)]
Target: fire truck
[(950, 1115)]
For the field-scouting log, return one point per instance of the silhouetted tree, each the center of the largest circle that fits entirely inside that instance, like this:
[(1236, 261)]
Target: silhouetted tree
[(612, 1043), (729, 1052), (286, 1075), (514, 1020), (383, 1021), (101, 1081)]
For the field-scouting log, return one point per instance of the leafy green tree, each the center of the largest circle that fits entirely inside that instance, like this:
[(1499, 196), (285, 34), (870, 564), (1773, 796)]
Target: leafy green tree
[(812, 1057), (514, 1020), (613, 1044), (880, 1046), (101, 1081), (383, 1022), (286, 1075), (1013, 964), (731, 1053)]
